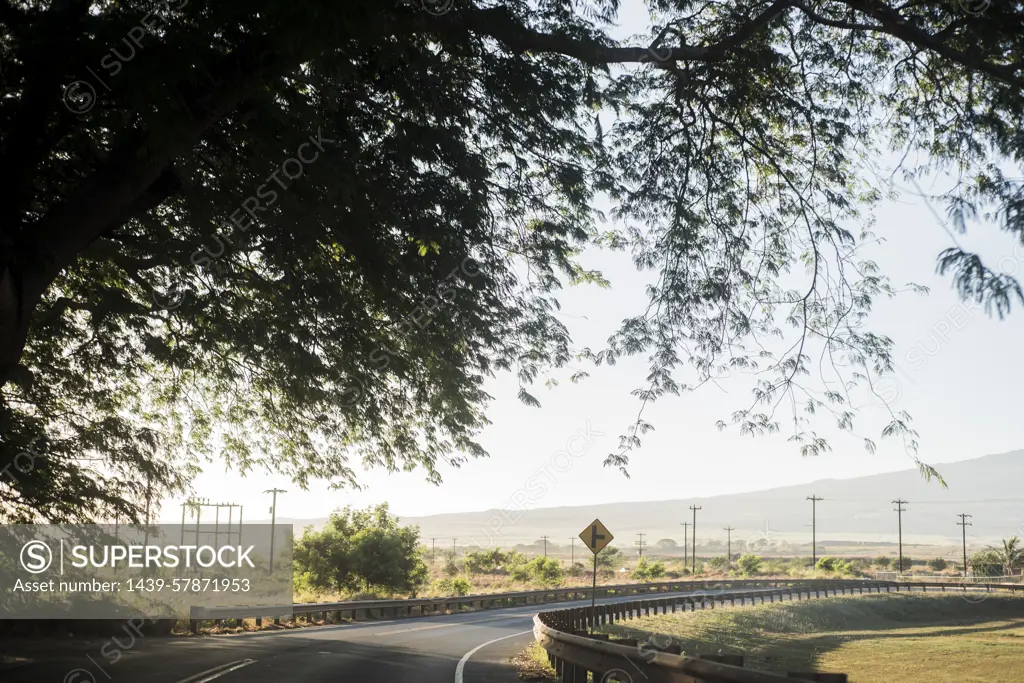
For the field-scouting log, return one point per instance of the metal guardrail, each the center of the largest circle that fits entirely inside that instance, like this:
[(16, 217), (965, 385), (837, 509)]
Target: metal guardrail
[(357, 609), (947, 578), (574, 651), (969, 580)]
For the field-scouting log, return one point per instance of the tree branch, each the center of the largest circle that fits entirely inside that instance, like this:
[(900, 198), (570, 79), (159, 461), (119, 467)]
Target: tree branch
[(499, 23)]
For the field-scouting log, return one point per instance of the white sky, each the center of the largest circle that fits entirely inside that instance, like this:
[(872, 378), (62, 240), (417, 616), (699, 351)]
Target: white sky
[(959, 385)]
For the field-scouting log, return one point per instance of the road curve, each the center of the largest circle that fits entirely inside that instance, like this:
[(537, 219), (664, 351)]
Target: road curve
[(473, 646)]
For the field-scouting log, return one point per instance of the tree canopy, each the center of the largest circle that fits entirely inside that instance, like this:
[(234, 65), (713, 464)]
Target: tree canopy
[(301, 235), (359, 550)]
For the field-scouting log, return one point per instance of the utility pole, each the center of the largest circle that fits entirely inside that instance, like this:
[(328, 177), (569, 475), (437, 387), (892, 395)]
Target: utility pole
[(963, 523), (433, 547), (545, 539), (273, 521), (728, 556), (686, 544), (640, 544), (693, 569), (814, 528), (572, 551), (455, 552), (900, 510), (184, 508)]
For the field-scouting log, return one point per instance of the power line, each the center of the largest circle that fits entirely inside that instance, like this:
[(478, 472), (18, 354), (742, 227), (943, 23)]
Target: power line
[(814, 528), (983, 501), (686, 543), (963, 523), (693, 570), (900, 510), (273, 519)]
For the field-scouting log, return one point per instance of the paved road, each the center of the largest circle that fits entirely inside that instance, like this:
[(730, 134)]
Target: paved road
[(417, 650)]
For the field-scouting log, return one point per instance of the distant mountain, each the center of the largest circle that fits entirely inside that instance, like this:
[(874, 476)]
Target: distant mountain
[(853, 510)]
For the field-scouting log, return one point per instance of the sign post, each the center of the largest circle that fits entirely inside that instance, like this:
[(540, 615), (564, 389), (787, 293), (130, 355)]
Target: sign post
[(596, 536)]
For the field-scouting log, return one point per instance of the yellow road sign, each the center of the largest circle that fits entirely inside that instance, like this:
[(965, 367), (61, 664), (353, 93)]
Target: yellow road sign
[(596, 536)]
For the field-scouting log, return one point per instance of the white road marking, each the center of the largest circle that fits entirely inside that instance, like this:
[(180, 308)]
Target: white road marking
[(451, 625), (217, 671), (465, 658)]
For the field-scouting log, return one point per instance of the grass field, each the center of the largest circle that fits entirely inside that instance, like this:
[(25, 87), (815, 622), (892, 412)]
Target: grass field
[(888, 638)]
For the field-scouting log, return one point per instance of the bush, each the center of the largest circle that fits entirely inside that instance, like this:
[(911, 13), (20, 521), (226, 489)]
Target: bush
[(938, 564), (454, 586), (492, 561), (610, 558), (360, 550), (545, 570), (835, 565), (451, 567), (986, 563), (860, 564), (718, 563), (883, 562), (483, 561), (649, 571), (749, 564)]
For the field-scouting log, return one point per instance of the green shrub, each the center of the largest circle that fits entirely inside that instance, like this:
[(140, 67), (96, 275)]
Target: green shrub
[(718, 563), (749, 564), (986, 563), (938, 564), (648, 571), (883, 562), (610, 558), (483, 561), (359, 550), (454, 586), (834, 565), (545, 570)]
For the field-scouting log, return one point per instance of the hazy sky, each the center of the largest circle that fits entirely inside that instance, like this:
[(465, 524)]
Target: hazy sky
[(960, 372)]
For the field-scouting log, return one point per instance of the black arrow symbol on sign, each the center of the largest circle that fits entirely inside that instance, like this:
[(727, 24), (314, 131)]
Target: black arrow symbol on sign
[(594, 536)]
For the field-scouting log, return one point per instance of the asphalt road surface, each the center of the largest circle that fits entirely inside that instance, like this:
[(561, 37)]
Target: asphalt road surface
[(457, 648)]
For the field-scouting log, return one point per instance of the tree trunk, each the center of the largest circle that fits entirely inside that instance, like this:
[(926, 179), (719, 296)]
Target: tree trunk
[(17, 301)]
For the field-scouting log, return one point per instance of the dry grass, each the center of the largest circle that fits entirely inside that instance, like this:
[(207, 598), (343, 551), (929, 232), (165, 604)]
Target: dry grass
[(888, 638), (532, 664)]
